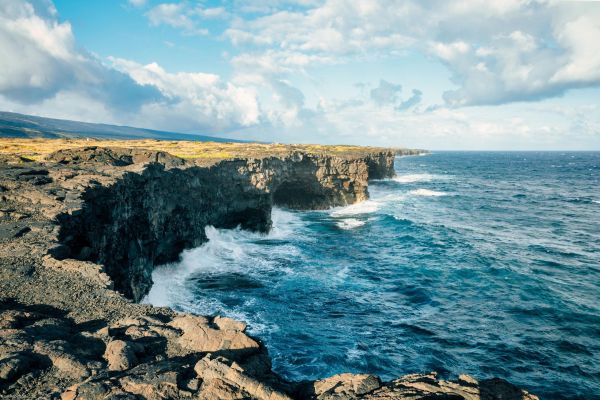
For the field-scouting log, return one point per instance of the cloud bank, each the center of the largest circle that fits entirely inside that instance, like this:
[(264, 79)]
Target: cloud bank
[(508, 61)]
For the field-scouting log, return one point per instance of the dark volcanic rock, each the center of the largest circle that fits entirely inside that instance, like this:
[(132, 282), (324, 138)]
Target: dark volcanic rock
[(138, 220)]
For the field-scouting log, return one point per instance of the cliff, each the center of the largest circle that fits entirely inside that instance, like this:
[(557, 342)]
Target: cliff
[(135, 220), (81, 231)]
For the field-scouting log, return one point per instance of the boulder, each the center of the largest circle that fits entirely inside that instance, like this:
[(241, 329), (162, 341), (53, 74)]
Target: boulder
[(120, 355), (223, 379), (13, 366), (345, 386), (198, 336), (228, 324)]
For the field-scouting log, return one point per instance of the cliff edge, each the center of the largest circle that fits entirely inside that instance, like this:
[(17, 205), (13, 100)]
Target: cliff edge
[(81, 230)]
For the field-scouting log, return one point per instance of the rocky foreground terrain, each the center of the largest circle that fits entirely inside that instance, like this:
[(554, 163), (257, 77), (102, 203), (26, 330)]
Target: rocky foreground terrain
[(81, 230)]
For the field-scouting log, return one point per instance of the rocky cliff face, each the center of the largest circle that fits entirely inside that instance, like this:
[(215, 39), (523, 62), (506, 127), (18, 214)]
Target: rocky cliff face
[(148, 216), (83, 223)]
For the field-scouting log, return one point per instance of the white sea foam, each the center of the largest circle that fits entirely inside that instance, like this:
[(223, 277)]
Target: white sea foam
[(364, 207), (596, 201), (350, 223), (227, 251), (411, 178), (355, 354), (424, 177), (427, 193)]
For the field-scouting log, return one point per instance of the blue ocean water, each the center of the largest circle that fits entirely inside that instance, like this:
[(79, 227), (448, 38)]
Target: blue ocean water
[(485, 263)]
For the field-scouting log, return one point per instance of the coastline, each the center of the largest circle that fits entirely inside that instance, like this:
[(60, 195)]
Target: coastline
[(81, 232)]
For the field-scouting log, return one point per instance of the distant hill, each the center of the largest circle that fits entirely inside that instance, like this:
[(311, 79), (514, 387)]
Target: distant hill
[(29, 126)]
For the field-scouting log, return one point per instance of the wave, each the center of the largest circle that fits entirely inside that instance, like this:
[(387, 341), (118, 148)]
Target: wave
[(364, 207), (596, 201), (227, 251), (423, 177), (427, 193), (350, 223), (411, 178)]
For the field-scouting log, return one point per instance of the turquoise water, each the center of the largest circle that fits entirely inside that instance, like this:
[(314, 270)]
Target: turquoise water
[(485, 263)]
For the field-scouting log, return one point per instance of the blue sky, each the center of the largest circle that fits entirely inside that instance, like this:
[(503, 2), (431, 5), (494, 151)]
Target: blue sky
[(470, 74)]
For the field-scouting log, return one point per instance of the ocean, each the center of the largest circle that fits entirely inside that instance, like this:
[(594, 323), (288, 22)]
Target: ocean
[(486, 263)]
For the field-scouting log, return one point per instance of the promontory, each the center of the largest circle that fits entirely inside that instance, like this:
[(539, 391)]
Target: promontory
[(84, 222)]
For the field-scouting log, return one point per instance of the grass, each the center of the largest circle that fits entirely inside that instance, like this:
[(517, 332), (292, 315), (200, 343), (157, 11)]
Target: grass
[(36, 149)]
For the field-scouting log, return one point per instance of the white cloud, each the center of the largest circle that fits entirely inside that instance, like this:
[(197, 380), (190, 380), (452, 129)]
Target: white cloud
[(412, 101), (214, 12), (185, 16), (582, 37), (498, 51), (42, 71), (137, 3), (39, 58), (208, 102), (176, 15), (385, 93), (488, 127)]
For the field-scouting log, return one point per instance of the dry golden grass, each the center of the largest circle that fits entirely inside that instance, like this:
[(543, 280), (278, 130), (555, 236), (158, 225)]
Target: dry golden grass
[(37, 149)]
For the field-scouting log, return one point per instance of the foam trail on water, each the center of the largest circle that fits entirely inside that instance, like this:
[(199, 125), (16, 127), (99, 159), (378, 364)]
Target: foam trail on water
[(350, 223), (411, 178), (427, 193)]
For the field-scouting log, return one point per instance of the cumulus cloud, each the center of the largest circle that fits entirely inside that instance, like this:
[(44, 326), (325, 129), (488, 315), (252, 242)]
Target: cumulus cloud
[(547, 126), (42, 70), (202, 100), (137, 3), (411, 101), (176, 15), (386, 93), (497, 51), (39, 58), (389, 94), (184, 16)]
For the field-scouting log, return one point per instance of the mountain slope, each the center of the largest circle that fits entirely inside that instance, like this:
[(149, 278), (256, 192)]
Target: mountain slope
[(30, 126)]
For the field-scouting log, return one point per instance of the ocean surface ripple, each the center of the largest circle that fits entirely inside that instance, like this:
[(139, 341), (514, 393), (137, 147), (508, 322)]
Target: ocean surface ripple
[(485, 263)]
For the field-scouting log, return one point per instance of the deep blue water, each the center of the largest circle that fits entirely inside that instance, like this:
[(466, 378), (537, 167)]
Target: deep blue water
[(486, 263)]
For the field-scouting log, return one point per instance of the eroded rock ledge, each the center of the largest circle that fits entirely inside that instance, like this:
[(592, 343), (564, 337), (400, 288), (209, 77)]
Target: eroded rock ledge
[(150, 206), (82, 223)]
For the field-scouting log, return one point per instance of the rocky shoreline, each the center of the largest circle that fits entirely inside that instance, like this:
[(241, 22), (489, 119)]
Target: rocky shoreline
[(80, 233)]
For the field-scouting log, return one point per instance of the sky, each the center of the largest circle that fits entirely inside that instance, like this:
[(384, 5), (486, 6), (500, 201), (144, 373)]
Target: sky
[(434, 74)]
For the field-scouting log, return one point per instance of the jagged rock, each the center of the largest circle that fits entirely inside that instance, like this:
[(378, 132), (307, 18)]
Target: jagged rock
[(88, 270), (345, 386), (63, 358), (198, 336), (120, 355), (152, 385), (13, 366), (228, 324), (428, 386), (467, 380), (222, 379)]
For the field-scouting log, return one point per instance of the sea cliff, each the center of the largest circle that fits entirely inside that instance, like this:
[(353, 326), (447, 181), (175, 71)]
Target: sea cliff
[(81, 229)]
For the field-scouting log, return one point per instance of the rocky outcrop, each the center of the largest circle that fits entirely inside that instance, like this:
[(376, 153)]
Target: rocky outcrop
[(132, 218), (416, 386), (83, 223)]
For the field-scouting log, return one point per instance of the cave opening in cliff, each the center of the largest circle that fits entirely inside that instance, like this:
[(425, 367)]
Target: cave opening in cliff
[(299, 195)]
